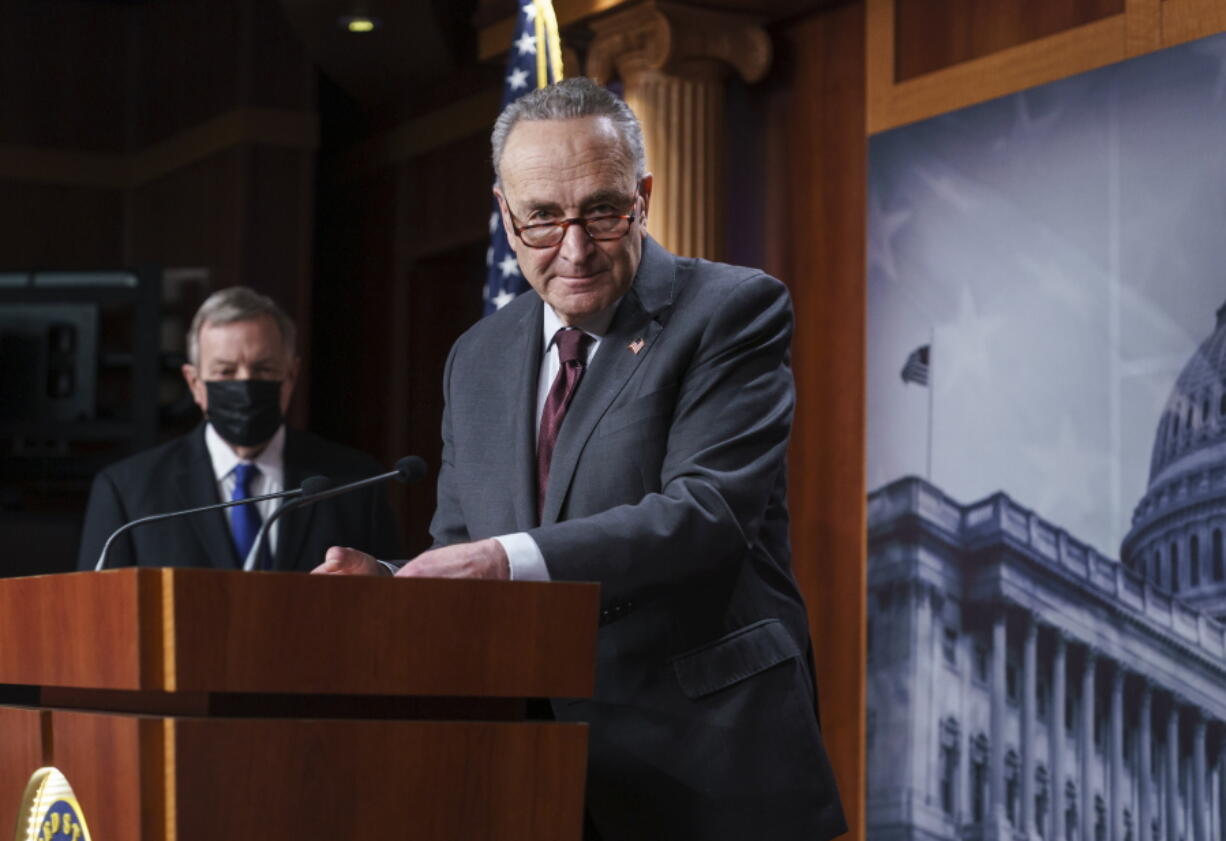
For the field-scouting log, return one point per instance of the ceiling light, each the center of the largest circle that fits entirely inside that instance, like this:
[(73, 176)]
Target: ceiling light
[(358, 23)]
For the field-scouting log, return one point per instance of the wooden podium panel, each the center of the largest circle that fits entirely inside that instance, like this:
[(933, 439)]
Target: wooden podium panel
[(202, 705), (22, 749), (205, 779), (178, 630)]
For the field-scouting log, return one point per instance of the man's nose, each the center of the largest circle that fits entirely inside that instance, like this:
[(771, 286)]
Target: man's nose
[(576, 244)]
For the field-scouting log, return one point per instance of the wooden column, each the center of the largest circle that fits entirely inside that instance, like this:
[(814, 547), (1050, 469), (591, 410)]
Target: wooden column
[(672, 61)]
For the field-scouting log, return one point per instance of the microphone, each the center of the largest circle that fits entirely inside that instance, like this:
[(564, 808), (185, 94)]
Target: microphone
[(153, 518), (408, 469)]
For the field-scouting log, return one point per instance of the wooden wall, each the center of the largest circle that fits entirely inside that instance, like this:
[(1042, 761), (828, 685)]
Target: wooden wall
[(177, 134), (926, 58), (815, 219)]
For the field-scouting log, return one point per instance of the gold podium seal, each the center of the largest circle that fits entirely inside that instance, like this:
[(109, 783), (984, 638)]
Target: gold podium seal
[(49, 810)]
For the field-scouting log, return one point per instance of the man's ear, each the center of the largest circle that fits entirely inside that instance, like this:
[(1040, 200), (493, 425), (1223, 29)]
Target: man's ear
[(507, 225), (196, 386), (645, 191)]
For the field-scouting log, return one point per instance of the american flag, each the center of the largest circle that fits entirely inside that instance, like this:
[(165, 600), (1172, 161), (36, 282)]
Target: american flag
[(915, 370), (535, 60)]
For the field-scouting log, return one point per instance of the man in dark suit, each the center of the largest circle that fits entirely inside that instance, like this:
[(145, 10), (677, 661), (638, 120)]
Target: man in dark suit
[(241, 371), (628, 424)]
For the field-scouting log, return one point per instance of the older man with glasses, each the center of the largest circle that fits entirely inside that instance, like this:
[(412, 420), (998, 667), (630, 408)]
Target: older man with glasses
[(628, 424)]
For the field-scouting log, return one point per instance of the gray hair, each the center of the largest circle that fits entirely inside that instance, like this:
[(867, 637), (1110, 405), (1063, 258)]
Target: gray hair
[(571, 99), (237, 303)]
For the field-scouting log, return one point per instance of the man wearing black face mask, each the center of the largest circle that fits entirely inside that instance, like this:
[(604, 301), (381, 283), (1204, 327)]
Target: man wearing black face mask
[(241, 371)]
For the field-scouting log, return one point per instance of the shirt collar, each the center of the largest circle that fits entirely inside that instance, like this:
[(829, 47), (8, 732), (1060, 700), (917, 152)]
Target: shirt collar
[(595, 327), (271, 459)]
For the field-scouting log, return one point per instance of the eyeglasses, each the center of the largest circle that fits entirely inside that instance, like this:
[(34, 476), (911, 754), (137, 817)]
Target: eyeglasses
[(550, 234)]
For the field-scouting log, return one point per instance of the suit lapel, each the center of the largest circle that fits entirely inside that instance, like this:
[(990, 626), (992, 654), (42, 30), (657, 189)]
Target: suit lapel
[(196, 486), (293, 528), (611, 369), (526, 346)]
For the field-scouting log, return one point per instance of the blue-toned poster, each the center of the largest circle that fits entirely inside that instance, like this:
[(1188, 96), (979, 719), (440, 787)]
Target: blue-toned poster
[(1047, 462)]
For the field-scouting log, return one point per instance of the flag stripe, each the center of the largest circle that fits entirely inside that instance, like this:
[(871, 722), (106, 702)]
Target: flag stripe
[(534, 60)]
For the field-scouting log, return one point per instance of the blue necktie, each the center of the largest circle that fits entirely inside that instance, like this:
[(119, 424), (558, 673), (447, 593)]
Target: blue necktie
[(244, 519)]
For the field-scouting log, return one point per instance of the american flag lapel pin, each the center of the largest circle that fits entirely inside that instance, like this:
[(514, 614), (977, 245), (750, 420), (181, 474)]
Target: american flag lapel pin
[(636, 345)]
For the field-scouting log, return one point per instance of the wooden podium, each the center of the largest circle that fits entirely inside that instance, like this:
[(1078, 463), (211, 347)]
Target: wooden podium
[(197, 705)]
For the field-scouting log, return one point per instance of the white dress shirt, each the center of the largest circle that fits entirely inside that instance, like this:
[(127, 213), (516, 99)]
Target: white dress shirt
[(524, 556), (270, 478)]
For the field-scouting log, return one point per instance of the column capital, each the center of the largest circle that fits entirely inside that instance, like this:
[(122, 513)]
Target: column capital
[(678, 40)]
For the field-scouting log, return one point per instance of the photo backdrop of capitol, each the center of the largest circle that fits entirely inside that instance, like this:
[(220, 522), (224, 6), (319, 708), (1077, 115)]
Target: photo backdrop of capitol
[(1047, 459)]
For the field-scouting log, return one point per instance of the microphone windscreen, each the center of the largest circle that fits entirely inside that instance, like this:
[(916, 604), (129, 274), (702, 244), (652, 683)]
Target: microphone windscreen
[(312, 485), (410, 469)]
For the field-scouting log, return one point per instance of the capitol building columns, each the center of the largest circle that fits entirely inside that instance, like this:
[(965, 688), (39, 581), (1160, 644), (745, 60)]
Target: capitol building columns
[(924, 634), (1145, 748), (1221, 788), (1116, 799), (1030, 633), (999, 693), (1085, 744), (1200, 831), (1172, 770), (1055, 732)]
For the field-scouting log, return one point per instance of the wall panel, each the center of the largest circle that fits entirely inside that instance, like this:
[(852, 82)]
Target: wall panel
[(928, 58), (814, 218), (63, 75), (52, 226), (931, 34)]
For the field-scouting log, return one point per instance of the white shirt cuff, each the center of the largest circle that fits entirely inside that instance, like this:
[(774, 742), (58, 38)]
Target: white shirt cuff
[(524, 556), (389, 566)]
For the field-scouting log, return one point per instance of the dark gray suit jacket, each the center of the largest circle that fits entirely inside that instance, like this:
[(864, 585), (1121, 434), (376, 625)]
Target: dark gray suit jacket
[(179, 475), (668, 487)]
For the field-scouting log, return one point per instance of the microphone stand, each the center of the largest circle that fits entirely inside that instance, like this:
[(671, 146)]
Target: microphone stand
[(408, 469), (153, 518)]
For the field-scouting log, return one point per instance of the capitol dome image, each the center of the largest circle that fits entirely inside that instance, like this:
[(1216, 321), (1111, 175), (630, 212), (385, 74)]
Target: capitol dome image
[(1024, 686), (1178, 527)]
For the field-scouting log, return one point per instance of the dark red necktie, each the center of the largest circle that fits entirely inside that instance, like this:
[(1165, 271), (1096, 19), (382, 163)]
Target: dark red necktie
[(572, 344)]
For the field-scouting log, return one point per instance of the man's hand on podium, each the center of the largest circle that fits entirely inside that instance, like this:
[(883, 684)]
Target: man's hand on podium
[(341, 560), (479, 559)]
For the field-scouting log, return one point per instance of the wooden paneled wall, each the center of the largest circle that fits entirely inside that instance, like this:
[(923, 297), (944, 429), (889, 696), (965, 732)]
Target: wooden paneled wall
[(927, 58), (175, 134), (812, 214)]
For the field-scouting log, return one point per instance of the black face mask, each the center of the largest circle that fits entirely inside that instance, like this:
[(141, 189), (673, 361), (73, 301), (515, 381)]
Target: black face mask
[(245, 413)]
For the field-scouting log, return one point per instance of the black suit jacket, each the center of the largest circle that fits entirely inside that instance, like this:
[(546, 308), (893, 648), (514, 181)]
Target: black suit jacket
[(668, 487), (179, 474)]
